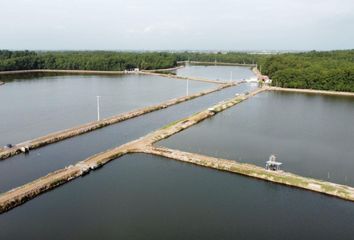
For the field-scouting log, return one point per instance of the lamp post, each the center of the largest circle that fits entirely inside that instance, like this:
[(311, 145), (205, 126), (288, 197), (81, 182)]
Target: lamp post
[(98, 108)]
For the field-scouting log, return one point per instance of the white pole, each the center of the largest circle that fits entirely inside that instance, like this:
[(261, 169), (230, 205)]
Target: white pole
[(231, 76), (98, 108), (187, 87)]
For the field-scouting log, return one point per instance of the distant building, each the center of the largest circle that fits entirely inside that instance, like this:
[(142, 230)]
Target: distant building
[(132, 70), (265, 79)]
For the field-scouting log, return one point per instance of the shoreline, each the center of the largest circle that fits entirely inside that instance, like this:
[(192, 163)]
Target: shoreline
[(312, 91), (62, 71), (218, 63), (185, 78)]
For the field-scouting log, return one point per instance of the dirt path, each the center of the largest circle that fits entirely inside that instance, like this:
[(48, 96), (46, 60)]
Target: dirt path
[(62, 71), (296, 90), (186, 78), (144, 144), (285, 178), (20, 195)]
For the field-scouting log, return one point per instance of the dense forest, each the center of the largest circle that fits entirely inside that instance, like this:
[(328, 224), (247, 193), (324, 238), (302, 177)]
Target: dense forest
[(104, 61), (331, 70), (315, 70)]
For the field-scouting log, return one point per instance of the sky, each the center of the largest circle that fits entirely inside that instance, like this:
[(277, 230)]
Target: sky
[(177, 24)]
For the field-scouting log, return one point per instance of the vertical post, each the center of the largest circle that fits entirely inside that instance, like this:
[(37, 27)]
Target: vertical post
[(98, 108), (187, 87), (231, 76)]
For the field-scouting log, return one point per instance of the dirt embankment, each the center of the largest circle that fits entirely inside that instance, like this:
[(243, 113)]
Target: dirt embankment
[(222, 64), (312, 91), (184, 78), (285, 178), (20, 195), (257, 72), (28, 191), (61, 71)]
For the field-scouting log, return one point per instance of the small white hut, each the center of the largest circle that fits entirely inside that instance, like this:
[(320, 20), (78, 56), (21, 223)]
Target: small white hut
[(272, 163)]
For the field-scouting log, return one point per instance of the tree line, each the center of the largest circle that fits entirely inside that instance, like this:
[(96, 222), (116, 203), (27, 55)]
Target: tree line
[(326, 70), (333, 70), (103, 61)]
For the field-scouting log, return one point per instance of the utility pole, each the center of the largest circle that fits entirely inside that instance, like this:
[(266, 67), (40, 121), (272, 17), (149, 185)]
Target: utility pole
[(98, 108)]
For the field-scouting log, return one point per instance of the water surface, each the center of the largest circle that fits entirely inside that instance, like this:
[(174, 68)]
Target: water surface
[(218, 72), (311, 134), (23, 168), (148, 197), (32, 107)]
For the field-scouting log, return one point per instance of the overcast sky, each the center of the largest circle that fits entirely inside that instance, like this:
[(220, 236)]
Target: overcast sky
[(177, 24)]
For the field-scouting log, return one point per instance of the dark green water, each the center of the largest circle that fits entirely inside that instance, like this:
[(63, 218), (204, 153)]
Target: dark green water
[(311, 134), (148, 197), (32, 107)]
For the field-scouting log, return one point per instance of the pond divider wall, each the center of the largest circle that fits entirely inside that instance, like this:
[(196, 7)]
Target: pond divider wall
[(20, 195), (186, 78), (312, 91), (218, 63), (280, 177), (24, 193), (75, 131), (63, 71)]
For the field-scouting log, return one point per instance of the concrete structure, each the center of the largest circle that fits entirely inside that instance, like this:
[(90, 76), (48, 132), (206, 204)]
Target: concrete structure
[(272, 163)]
